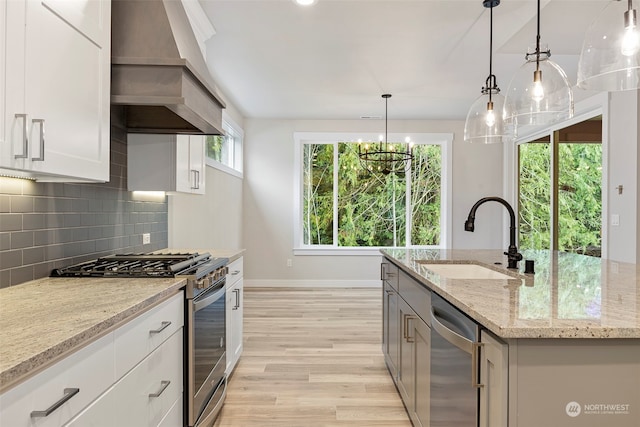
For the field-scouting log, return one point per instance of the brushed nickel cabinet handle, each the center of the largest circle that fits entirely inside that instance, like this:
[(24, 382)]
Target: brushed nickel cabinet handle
[(163, 387), (405, 321), (474, 364), (237, 305), (25, 139), (235, 272), (68, 394), (196, 179), (163, 326), (40, 158)]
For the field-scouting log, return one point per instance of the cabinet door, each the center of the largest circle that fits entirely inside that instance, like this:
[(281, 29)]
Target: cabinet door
[(405, 366), (390, 331), (422, 373), (190, 163), (12, 47), (494, 377), (197, 163), (67, 80), (234, 326)]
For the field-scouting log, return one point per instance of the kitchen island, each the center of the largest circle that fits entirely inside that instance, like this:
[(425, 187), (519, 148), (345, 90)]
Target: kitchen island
[(559, 347)]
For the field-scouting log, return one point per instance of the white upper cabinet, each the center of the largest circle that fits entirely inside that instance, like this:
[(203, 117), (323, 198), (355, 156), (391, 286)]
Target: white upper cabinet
[(55, 61), (166, 163)]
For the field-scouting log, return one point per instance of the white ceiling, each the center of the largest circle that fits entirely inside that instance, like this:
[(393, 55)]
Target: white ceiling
[(333, 60)]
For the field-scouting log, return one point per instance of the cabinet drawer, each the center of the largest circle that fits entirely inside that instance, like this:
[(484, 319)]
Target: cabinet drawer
[(147, 393), (90, 370), (389, 273), (416, 295), (174, 417), (135, 340), (235, 272)]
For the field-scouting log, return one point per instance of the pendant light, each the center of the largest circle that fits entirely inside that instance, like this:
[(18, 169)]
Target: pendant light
[(539, 93), (484, 121), (610, 56), (382, 156)]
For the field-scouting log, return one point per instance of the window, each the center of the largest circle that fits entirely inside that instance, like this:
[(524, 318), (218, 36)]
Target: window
[(225, 152), (560, 190), (342, 205)]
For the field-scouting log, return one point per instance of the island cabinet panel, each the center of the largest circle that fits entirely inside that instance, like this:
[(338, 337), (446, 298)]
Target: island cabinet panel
[(55, 122), (581, 382), (413, 366), (494, 376), (390, 329)]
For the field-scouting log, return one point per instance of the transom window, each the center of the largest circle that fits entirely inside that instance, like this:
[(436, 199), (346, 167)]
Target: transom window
[(224, 152), (343, 205)]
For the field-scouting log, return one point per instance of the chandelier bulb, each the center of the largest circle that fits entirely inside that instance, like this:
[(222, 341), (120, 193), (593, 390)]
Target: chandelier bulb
[(490, 117), (537, 91)]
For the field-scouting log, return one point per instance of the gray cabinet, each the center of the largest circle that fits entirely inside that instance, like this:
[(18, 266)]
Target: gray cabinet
[(494, 393), (390, 324), (406, 339)]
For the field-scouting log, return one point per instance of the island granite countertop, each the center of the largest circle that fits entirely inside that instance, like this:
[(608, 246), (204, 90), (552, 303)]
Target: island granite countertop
[(569, 296), (43, 320)]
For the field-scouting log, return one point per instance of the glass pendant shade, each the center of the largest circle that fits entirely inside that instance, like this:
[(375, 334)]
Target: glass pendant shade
[(610, 56), (539, 95), (484, 121)]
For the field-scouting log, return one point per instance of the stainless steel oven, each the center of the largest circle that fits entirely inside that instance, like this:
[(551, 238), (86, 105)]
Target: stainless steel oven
[(206, 355)]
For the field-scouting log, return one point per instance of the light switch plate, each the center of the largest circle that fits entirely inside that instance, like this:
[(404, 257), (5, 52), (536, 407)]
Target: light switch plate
[(615, 219)]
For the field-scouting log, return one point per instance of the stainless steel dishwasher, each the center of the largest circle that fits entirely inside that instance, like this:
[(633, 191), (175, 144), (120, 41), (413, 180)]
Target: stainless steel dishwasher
[(454, 362)]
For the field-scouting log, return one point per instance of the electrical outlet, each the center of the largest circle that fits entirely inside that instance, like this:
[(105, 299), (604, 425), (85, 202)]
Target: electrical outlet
[(289, 262), (615, 219), (146, 238)]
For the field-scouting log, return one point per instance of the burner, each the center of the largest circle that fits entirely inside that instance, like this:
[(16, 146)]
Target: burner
[(136, 265)]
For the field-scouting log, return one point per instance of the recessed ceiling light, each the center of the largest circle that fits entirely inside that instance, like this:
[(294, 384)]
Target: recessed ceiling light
[(305, 2)]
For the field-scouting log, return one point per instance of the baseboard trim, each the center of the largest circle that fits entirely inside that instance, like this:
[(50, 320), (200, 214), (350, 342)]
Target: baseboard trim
[(312, 283)]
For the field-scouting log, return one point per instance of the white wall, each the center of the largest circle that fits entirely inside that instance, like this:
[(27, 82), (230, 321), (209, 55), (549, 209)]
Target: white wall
[(624, 138), (213, 220), (269, 201)]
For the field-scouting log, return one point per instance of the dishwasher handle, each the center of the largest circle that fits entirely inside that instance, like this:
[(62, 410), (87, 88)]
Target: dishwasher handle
[(464, 344)]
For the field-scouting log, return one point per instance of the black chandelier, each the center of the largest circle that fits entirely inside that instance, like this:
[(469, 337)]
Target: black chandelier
[(383, 157)]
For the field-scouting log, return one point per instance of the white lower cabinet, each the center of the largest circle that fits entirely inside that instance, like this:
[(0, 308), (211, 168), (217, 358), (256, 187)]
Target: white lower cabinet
[(147, 393), (234, 314), (89, 370), (118, 385)]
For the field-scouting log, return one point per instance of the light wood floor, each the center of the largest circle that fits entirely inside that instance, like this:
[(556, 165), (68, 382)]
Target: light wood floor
[(312, 357)]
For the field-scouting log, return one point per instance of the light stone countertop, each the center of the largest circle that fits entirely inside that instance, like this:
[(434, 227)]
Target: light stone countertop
[(43, 320), (569, 296)]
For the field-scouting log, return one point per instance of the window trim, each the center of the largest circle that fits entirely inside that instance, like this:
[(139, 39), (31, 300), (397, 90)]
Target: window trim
[(229, 125), (445, 140), (584, 110)]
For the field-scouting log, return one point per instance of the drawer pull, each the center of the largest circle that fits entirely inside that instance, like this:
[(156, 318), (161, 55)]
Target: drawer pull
[(163, 326), (163, 387), (68, 394), (235, 272)]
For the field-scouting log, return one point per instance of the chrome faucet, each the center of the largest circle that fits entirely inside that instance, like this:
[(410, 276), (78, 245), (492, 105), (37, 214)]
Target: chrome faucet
[(513, 256)]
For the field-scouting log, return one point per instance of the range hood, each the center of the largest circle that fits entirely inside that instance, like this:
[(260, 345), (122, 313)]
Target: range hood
[(158, 73)]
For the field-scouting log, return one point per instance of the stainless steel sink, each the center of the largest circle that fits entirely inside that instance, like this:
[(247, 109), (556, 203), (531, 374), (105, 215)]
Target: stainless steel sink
[(464, 271)]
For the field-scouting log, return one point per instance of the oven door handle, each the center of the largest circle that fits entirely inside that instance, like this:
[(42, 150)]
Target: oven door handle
[(207, 299)]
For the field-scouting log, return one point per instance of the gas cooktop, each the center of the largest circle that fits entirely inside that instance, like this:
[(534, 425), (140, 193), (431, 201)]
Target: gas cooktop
[(144, 265)]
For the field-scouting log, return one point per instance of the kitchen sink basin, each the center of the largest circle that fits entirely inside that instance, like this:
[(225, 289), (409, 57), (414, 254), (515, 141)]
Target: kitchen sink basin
[(465, 271)]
